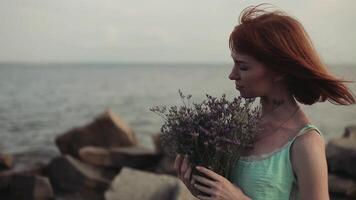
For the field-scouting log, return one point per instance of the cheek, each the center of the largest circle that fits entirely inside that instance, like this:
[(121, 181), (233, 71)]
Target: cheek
[(253, 78), (257, 83)]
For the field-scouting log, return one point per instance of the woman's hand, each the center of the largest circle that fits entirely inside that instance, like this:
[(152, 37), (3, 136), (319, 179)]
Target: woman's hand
[(184, 172), (219, 187), (216, 186)]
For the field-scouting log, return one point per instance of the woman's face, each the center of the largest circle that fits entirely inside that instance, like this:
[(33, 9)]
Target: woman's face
[(251, 77)]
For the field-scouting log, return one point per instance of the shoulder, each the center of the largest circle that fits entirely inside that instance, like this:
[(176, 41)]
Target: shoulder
[(307, 148), (309, 141), (309, 163)]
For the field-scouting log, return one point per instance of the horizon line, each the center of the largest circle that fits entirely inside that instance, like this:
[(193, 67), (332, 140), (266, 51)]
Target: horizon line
[(137, 63)]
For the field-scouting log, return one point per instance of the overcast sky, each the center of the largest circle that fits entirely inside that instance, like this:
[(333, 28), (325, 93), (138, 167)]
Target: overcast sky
[(156, 30)]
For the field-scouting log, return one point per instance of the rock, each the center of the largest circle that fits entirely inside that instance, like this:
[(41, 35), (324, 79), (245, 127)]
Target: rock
[(69, 174), (341, 156), (166, 166), (29, 187), (136, 157), (28, 172), (350, 132), (80, 195), (34, 159), (43, 189), (342, 185), (107, 130), (336, 196), (7, 177), (95, 156), (4, 186), (156, 139), (133, 184), (6, 162)]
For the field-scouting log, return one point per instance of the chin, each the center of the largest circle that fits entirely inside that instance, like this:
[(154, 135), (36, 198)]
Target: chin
[(246, 96), (249, 97)]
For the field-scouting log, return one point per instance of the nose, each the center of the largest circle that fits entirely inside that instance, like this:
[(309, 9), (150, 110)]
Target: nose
[(235, 74)]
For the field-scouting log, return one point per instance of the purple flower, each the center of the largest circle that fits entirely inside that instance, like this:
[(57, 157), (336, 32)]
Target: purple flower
[(212, 132)]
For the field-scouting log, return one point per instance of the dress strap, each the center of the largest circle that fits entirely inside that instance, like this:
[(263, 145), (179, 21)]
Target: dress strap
[(302, 131), (307, 128)]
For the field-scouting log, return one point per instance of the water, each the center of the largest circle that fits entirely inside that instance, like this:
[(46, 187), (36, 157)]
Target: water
[(39, 102)]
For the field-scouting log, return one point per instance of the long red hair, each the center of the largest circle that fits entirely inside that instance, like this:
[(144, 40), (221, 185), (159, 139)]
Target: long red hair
[(281, 43)]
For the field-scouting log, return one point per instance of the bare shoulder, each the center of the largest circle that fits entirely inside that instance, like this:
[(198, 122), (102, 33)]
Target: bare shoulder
[(308, 141), (309, 165), (307, 149)]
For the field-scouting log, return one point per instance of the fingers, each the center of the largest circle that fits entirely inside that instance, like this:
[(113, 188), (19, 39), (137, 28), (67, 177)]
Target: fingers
[(201, 197), (184, 165), (204, 180), (192, 181), (181, 166), (177, 161), (211, 174), (187, 174), (184, 170), (204, 189)]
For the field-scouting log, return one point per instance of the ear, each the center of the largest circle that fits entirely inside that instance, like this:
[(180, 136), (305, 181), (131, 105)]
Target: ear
[(279, 77)]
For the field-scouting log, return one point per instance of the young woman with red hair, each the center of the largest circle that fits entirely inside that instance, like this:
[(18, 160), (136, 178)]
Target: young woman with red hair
[(274, 59)]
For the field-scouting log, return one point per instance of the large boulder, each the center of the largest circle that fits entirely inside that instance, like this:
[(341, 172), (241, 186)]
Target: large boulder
[(25, 186), (25, 180), (350, 132), (166, 166), (70, 175), (157, 143), (136, 157), (133, 184), (80, 195), (6, 162), (34, 159), (341, 156), (107, 130), (341, 185)]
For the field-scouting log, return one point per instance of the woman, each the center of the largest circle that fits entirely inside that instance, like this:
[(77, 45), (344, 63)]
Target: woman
[(274, 59)]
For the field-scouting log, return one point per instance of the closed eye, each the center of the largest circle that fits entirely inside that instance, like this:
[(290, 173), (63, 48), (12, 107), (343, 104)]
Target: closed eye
[(242, 65)]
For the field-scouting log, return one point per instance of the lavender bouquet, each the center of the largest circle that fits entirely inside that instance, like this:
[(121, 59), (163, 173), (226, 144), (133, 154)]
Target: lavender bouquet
[(213, 133)]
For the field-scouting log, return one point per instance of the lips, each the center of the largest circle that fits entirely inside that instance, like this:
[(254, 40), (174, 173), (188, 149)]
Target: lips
[(239, 86)]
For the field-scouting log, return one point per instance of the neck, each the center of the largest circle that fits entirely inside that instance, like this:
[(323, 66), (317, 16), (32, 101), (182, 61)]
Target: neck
[(278, 105), (277, 111)]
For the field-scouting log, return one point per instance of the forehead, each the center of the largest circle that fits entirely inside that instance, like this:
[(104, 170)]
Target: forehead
[(254, 63), (242, 57)]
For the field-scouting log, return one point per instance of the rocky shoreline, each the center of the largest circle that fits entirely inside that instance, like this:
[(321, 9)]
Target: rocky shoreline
[(104, 160)]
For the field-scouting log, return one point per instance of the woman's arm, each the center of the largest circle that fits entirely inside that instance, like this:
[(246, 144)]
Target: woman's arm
[(216, 186), (309, 164), (184, 172)]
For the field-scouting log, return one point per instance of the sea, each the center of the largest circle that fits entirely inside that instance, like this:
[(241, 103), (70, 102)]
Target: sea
[(39, 102)]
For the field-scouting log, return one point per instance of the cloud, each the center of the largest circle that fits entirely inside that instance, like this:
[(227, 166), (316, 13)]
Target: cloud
[(157, 30)]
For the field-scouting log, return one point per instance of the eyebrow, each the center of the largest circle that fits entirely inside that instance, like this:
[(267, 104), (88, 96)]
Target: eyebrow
[(239, 61)]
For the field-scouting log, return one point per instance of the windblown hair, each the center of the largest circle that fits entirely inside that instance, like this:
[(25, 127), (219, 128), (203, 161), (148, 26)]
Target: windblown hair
[(280, 42)]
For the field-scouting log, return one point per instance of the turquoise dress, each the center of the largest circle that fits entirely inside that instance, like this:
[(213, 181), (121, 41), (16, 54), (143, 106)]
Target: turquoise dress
[(270, 176)]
